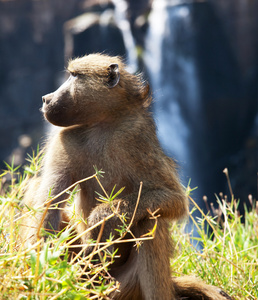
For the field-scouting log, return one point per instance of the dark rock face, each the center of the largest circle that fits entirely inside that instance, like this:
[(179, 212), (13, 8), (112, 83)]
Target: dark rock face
[(92, 32), (31, 51)]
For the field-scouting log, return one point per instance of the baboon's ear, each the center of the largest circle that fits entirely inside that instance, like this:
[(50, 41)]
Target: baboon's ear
[(113, 75)]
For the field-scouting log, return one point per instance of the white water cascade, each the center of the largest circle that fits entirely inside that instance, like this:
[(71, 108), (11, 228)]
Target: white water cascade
[(171, 72), (174, 79)]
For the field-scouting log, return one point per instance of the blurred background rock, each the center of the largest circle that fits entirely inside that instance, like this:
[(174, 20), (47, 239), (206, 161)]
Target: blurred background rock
[(201, 58)]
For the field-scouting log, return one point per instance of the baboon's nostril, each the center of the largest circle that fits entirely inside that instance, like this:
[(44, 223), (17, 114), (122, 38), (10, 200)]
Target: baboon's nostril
[(47, 98)]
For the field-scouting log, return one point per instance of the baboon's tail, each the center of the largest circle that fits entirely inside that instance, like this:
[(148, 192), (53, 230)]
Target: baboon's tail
[(188, 287)]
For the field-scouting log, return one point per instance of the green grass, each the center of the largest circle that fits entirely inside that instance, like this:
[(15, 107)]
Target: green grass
[(44, 271), (229, 258)]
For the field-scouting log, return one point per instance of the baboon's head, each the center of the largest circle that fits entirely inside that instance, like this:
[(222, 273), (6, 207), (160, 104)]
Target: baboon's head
[(97, 90)]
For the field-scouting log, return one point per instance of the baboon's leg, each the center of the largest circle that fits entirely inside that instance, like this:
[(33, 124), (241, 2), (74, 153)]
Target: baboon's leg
[(146, 273)]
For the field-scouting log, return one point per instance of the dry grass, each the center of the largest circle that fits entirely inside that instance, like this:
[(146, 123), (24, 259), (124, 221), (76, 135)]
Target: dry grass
[(45, 270)]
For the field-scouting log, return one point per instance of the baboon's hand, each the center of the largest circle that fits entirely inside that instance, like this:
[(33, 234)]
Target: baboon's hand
[(106, 226)]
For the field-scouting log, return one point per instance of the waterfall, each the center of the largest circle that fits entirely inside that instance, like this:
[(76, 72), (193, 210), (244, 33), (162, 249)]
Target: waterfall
[(171, 58), (202, 108), (172, 73)]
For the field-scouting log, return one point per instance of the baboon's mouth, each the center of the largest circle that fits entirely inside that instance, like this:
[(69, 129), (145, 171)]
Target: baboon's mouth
[(43, 108)]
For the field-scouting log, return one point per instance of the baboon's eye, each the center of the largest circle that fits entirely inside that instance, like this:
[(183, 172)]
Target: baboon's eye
[(74, 74)]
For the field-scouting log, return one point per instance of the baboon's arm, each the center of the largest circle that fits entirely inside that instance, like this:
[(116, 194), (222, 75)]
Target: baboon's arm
[(170, 205)]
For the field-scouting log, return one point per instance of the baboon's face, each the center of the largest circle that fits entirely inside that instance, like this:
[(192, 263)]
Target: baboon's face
[(59, 107), (88, 96)]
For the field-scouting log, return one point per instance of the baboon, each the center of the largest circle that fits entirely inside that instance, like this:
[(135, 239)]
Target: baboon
[(103, 119)]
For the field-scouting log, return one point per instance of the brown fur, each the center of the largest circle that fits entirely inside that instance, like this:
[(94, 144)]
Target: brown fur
[(102, 110)]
